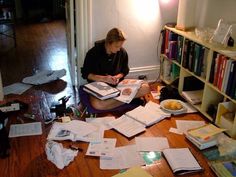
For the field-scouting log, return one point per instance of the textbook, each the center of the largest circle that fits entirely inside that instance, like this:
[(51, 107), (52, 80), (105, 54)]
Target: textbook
[(181, 161), (101, 90), (128, 89), (202, 144), (135, 121)]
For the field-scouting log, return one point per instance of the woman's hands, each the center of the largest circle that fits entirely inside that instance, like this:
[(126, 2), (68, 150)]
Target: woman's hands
[(113, 80)]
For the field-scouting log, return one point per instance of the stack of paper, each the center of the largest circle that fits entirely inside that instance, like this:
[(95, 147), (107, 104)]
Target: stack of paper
[(194, 97)]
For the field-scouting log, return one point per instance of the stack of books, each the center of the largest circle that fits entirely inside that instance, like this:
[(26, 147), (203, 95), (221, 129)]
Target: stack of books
[(205, 136)]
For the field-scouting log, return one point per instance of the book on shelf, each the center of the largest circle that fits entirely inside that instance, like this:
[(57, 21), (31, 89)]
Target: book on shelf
[(212, 71), (204, 63), (181, 161), (218, 67), (233, 86), (224, 168), (101, 90), (128, 89), (221, 72), (180, 42), (191, 56), (186, 53), (231, 78), (194, 97), (226, 75), (136, 121)]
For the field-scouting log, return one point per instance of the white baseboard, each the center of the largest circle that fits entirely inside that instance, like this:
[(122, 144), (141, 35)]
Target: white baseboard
[(151, 72)]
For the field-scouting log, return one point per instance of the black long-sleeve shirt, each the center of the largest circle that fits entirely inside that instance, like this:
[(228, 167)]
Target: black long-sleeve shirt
[(98, 62)]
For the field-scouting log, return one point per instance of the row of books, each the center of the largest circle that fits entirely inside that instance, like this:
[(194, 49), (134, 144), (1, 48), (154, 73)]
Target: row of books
[(223, 74), (170, 70), (172, 45), (194, 55)]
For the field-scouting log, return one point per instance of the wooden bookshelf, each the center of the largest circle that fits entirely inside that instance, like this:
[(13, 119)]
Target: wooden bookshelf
[(200, 64)]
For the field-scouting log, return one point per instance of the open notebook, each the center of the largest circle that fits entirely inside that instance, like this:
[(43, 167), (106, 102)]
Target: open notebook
[(135, 121)]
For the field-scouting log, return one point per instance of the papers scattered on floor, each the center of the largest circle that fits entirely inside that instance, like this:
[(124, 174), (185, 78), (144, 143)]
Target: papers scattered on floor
[(151, 143), (73, 130), (123, 157), (175, 130), (101, 121), (103, 147), (17, 88), (42, 77), (28, 129), (184, 125)]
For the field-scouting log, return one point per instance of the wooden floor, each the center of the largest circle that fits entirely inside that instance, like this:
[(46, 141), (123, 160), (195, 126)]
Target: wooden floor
[(40, 46), (43, 46)]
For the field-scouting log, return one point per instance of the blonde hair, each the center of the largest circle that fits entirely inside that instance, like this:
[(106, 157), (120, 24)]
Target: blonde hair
[(114, 35)]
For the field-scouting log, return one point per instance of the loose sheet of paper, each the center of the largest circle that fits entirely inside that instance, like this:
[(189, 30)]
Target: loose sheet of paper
[(184, 125), (101, 121), (17, 88), (123, 157), (104, 147), (151, 143), (27, 129)]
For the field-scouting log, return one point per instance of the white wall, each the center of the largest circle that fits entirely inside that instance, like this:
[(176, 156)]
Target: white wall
[(141, 20), (210, 11)]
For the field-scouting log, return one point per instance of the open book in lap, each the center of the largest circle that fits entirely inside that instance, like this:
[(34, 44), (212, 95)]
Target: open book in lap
[(101, 90), (128, 89)]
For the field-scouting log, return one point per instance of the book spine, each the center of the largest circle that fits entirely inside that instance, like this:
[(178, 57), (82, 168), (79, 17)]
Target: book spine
[(226, 75), (221, 74), (217, 69), (180, 48), (231, 75), (204, 63), (197, 51), (191, 56), (211, 78)]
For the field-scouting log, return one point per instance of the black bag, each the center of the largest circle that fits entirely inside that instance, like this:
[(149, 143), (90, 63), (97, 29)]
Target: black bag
[(4, 140), (170, 92)]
